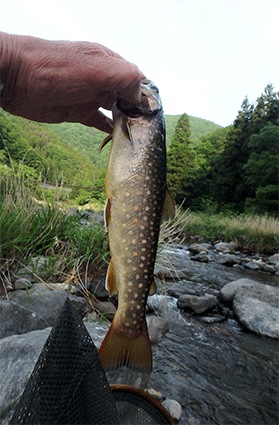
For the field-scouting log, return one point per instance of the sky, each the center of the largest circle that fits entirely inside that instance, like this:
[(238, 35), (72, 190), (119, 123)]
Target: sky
[(204, 56)]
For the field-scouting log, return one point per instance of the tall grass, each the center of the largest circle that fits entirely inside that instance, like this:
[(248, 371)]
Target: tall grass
[(29, 228), (257, 233)]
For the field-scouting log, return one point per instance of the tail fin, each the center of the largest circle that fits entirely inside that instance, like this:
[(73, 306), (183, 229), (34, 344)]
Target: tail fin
[(119, 350)]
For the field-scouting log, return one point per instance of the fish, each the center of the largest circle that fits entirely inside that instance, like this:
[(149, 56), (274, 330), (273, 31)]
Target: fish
[(137, 200)]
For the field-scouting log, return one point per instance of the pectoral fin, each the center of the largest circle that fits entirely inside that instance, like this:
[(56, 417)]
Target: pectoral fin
[(111, 284), (168, 208), (105, 141)]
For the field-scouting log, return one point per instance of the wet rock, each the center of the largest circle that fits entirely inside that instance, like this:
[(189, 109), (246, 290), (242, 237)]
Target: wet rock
[(228, 291), (202, 257), (228, 260), (16, 320), (225, 248), (252, 265), (167, 272), (182, 289), (197, 304), (257, 308), (274, 259), (173, 407), (212, 319), (157, 328), (22, 283), (197, 248), (155, 394), (269, 268), (106, 309), (47, 303)]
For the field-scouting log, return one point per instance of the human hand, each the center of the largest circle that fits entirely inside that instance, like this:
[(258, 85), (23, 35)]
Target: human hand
[(56, 81)]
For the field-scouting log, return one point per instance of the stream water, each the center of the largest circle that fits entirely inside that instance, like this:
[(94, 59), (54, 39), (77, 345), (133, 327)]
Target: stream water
[(219, 373)]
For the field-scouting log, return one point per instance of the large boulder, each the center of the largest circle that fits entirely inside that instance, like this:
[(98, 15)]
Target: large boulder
[(228, 291), (257, 308), (47, 303), (16, 319)]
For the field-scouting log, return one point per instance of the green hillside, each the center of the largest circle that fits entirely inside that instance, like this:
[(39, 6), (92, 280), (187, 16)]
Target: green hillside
[(87, 140), (41, 153)]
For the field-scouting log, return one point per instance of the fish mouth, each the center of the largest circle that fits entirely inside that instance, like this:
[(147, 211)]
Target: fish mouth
[(150, 102)]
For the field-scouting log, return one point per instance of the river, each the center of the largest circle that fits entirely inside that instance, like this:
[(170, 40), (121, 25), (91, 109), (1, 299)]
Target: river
[(219, 373)]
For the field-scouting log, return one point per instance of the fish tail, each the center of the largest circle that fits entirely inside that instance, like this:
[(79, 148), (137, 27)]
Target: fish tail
[(119, 350)]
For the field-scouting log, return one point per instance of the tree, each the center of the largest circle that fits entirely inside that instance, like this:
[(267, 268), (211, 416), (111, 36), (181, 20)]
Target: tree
[(180, 159)]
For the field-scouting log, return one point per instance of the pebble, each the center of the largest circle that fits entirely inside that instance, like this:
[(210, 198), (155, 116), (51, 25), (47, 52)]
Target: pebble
[(173, 407), (155, 394)]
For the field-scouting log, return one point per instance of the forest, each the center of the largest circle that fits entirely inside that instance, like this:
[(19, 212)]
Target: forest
[(225, 169), (233, 168)]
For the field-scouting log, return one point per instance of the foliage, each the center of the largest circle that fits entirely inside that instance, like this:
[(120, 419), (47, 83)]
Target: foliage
[(236, 165), (28, 228), (49, 158), (259, 233), (180, 159)]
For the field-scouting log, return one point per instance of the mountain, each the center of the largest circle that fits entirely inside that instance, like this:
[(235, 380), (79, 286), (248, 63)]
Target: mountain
[(88, 140)]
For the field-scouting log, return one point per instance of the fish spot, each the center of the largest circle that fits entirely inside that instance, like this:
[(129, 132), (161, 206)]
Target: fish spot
[(134, 269), (137, 277), (135, 253), (134, 315), (132, 184), (134, 241), (127, 194), (145, 218), (136, 208), (148, 192), (138, 307), (142, 227), (134, 322), (143, 249), (124, 240), (140, 285), (141, 265), (147, 208), (138, 192), (130, 283), (142, 258), (130, 232), (136, 295), (144, 241), (136, 220), (129, 260), (127, 324), (124, 225)]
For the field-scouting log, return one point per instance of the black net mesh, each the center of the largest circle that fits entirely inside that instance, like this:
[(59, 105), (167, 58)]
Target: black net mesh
[(134, 409), (68, 384)]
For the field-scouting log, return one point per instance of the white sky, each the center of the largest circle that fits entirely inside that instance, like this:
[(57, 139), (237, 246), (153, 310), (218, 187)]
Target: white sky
[(204, 56)]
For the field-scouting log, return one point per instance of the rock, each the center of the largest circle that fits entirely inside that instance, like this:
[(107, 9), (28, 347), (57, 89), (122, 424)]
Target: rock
[(173, 407), (72, 211), (5, 286), (167, 272), (197, 248), (97, 288), (16, 320), (269, 268), (155, 394), (212, 319), (19, 354), (225, 248), (47, 303), (274, 259), (252, 265), (197, 304), (106, 309), (202, 257), (228, 260), (91, 217), (22, 283), (157, 328), (228, 291), (257, 308), (184, 288)]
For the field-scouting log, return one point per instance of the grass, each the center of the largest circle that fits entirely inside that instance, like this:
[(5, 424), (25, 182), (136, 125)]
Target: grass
[(29, 229), (255, 233)]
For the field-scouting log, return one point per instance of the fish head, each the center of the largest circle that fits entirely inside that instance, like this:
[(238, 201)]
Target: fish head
[(149, 106)]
